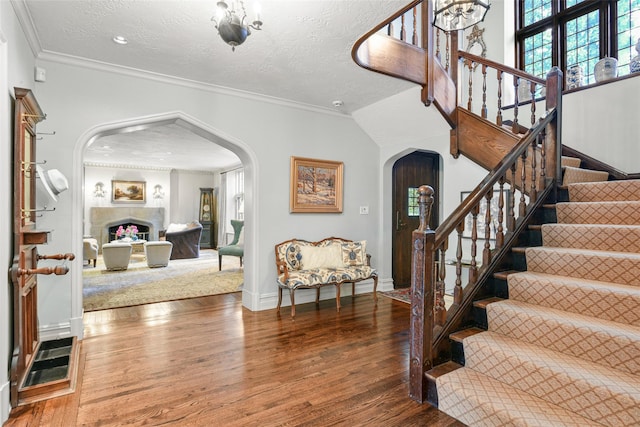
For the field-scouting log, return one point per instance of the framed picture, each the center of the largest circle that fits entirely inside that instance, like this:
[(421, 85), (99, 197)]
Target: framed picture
[(128, 191), (495, 210), (316, 185)]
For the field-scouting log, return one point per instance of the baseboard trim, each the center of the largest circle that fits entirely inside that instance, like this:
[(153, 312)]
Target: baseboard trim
[(269, 301), (54, 332), (5, 402), (77, 327)]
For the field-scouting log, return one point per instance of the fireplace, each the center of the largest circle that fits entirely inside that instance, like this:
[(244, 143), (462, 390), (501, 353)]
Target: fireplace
[(105, 218), (143, 230)]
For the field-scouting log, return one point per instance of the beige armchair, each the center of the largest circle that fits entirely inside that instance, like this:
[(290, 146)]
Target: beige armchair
[(90, 250), (158, 253), (116, 255)]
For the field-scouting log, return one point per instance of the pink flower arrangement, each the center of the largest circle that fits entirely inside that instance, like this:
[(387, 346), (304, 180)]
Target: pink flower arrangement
[(131, 232)]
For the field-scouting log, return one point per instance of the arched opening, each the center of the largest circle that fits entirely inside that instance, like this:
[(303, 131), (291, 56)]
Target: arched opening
[(239, 148)]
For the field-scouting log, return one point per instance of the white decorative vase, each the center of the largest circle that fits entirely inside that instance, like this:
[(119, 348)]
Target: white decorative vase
[(574, 76), (634, 65), (605, 69)]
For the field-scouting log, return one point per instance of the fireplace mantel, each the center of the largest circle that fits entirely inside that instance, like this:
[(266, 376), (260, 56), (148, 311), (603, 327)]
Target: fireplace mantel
[(102, 218)]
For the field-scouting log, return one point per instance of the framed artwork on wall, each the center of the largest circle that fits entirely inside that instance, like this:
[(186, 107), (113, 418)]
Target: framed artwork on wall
[(315, 185), (128, 191)]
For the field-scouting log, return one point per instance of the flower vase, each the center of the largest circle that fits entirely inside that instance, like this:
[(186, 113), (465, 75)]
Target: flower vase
[(634, 65), (606, 69)]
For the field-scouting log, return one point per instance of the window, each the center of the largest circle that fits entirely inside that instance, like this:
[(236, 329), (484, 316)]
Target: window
[(564, 33), (413, 209)]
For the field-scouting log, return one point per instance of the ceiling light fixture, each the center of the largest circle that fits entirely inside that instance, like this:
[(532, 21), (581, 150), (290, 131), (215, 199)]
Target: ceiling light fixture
[(120, 40), (231, 23), (450, 15)]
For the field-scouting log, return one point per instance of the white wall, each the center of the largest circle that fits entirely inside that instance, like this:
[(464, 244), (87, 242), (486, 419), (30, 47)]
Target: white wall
[(185, 186)]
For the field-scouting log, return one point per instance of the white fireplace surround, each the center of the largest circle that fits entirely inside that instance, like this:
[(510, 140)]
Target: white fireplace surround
[(102, 218)]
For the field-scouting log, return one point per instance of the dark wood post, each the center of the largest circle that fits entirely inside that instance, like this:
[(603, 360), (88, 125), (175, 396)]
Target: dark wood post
[(422, 300), (553, 140)]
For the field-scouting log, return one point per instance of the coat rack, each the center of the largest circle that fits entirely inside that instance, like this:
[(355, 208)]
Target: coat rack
[(39, 370)]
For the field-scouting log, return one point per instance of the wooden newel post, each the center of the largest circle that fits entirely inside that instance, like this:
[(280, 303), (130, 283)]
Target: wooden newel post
[(422, 299), (553, 138)]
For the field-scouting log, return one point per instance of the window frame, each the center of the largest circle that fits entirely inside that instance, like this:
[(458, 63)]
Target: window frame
[(557, 23)]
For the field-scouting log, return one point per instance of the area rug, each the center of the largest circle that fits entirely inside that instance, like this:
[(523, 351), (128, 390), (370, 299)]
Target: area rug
[(140, 284), (402, 295)]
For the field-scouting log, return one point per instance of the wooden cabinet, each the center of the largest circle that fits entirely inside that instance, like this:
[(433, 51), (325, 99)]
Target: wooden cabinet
[(208, 218)]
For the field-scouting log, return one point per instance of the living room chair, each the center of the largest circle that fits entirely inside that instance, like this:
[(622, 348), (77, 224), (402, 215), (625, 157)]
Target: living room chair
[(186, 240), (116, 256), (236, 247), (157, 253), (90, 250)]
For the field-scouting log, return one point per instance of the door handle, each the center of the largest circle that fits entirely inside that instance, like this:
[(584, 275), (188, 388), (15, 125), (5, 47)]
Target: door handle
[(399, 223)]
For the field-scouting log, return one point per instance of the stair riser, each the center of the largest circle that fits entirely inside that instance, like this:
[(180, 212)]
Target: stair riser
[(627, 213), (614, 346), (620, 268), (605, 301), (593, 237)]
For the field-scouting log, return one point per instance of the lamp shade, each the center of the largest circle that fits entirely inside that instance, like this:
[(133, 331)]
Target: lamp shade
[(53, 181), (456, 15)]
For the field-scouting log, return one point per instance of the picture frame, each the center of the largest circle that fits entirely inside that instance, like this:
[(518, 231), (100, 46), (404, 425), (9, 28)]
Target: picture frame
[(128, 191), (316, 185), (495, 210)]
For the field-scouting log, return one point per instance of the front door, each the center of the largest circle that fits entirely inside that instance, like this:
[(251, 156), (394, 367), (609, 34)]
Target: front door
[(409, 173)]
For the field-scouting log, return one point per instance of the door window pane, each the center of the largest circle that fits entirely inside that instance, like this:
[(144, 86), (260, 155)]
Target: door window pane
[(412, 202)]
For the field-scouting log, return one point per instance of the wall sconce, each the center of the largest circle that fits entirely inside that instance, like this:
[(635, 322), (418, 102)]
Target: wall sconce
[(98, 191), (158, 194)]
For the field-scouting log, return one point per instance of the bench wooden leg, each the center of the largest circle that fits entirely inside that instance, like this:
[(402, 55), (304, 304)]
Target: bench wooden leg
[(293, 302), (338, 297)]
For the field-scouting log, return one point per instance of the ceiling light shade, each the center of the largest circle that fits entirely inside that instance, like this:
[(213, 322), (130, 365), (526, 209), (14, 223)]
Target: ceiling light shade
[(53, 181), (450, 15), (230, 21)]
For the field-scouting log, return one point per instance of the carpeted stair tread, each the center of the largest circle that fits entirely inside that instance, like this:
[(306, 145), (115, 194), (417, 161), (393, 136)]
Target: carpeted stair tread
[(604, 300), (606, 237), (603, 266), (605, 191), (574, 162), (611, 344), (591, 390), (620, 212), (572, 175), (479, 400)]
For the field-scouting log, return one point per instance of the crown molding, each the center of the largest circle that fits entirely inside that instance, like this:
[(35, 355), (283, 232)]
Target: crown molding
[(29, 29), (153, 168)]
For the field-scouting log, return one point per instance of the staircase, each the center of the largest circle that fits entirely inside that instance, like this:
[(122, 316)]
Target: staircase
[(543, 255), (564, 349)]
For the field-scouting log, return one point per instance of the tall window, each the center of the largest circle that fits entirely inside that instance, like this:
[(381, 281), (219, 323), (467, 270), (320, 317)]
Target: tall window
[(576, 32)]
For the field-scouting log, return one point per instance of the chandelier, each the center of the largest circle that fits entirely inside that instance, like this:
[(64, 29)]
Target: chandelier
[(230, 21), (457, 15)]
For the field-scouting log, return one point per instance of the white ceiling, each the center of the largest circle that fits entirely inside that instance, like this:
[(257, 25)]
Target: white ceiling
[(302, 55)]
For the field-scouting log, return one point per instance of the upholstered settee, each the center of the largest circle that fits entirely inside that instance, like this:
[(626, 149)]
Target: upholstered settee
[(331, 261), (185, 239)]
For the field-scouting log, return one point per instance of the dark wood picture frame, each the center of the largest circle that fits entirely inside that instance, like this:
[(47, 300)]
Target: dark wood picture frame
[(128, 191), (316, 185)]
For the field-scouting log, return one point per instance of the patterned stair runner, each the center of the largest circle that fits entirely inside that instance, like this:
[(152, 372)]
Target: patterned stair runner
[(564, 349)]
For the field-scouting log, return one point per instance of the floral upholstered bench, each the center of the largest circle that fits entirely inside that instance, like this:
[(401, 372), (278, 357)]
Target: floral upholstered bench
[(332, 261)]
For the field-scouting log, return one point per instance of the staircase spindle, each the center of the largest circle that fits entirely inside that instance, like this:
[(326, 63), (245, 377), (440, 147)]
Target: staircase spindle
[(484, 91), (390, 29), (403, 29), (414, 38), (512, 202), (522, 210), (486, 253), (500, 230), (533, 103), (499, 116), (469, 101), (473, 269), (457, 289), (437, 54), (440, 308), (543, 157), (534, 173), (447, 50), (516, 84)]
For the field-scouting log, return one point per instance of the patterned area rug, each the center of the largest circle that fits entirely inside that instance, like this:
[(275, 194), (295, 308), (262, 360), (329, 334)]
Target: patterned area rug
[(139, 284), (402, 295)]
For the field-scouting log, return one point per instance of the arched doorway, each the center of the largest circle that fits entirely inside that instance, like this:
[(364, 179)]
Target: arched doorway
[(244, 153), (410, 172)]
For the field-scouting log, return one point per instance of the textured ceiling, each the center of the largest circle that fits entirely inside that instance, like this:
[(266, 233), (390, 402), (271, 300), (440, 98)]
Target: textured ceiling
[(302, 55)]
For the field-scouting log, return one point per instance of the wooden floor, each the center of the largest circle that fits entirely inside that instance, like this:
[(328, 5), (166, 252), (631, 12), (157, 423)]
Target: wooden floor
[(210, 362)]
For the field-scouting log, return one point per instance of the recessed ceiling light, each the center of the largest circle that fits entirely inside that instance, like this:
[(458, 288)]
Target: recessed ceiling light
[(120, 40)]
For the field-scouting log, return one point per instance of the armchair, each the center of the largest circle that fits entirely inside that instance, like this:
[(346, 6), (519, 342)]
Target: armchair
[(236, 247), (186, 240), (90, 250)]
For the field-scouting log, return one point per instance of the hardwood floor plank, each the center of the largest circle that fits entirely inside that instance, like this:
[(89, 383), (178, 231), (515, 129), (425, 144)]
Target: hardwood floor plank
[(208, 361)]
